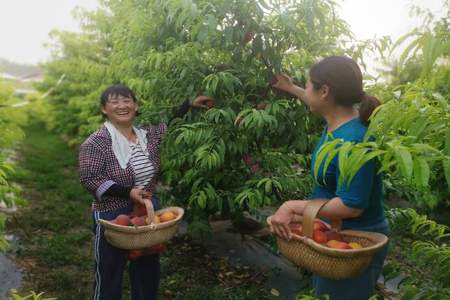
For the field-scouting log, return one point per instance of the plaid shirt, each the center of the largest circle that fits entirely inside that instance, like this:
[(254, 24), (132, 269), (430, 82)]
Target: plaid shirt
[(99, 168)]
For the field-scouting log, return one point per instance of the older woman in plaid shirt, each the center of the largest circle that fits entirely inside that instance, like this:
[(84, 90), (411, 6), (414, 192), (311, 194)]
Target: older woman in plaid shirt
[(119, 164)]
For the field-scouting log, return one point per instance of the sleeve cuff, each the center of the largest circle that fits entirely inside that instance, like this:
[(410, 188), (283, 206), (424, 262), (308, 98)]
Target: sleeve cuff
[(103, 188), (353, 203), (162, 128)]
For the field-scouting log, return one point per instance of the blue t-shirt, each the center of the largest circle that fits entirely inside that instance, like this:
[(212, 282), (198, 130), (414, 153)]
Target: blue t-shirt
[(365, 191)]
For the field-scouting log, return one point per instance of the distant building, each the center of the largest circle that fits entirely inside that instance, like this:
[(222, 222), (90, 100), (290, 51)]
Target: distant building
[(9, 77), (25, 91), (19, 72), (36, 77), (21, 77)]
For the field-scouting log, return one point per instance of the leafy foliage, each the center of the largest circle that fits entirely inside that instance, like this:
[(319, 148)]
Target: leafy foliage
[(252, 148), (410, 223), (31, 296), (11, 119), (167, 51), (424, 262)]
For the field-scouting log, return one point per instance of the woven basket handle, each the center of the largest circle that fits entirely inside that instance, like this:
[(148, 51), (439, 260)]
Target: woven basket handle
[(150, 211), (312, 208)]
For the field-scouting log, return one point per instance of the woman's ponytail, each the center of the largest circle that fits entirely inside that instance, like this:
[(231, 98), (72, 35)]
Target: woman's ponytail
[(366, 108)]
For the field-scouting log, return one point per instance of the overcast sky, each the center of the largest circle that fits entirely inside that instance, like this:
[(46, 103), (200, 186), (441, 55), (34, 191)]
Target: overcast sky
[(25, 24)]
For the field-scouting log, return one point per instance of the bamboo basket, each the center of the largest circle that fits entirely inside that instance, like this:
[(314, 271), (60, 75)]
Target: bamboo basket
[(327, 262), (134, 238)]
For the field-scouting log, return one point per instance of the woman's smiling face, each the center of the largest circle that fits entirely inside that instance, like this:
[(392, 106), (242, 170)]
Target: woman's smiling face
[(120, 110)]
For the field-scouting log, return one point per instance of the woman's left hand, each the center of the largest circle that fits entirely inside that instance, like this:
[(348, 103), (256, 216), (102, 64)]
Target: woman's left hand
[(281, 220), (203, 102)]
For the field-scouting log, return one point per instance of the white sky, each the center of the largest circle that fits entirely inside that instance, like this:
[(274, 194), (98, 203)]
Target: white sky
[(25, 24)]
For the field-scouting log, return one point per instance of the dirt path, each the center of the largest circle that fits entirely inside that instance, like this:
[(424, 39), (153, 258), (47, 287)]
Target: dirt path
[(10, 276)]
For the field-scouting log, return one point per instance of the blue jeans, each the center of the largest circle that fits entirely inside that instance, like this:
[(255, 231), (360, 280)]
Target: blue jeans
[(357, 288), (110, 264)]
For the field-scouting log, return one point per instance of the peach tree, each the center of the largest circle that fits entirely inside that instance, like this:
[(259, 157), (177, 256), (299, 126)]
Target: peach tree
[(249, 150)]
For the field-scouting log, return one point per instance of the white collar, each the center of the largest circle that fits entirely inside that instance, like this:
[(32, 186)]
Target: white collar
[(121, 146)]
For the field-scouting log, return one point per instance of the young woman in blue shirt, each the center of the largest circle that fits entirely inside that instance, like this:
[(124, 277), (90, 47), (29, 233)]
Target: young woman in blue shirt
[(335, 92)]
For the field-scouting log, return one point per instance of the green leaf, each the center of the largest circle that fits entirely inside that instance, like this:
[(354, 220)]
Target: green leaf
[(419, 126), (212, 23), (357, 166), (277, 185), (421, 172), (446, 163), (447, 142), (405, 161), (344, 153), (409, 292), (202, 34), (201, 200), (354, 162), (328, 160), (323, 151), (268, 187)]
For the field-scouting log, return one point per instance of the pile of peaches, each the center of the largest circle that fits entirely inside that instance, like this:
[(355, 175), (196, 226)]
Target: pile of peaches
[(324, 236), (139, 220)]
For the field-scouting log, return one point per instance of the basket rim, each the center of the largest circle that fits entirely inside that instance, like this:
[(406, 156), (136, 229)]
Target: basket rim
[(145, 228), (379, 240)]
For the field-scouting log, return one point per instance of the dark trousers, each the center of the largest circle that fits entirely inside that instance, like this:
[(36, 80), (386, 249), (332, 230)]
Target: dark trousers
[(110, 263)]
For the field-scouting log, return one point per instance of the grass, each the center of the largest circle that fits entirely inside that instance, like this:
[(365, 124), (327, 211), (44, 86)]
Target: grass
[(54, 228), (55, 245)]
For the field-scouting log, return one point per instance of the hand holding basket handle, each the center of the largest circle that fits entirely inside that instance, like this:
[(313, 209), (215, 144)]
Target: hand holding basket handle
[(138, 195), (310, 213)]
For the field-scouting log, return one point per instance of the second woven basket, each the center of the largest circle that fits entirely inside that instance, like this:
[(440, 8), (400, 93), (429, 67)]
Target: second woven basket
[(327, 262)]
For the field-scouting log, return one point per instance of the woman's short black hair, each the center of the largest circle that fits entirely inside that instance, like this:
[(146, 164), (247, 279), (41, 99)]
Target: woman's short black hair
[(115, 91)]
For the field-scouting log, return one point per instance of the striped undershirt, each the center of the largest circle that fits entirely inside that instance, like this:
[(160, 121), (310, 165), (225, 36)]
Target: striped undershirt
[(143, 167)]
